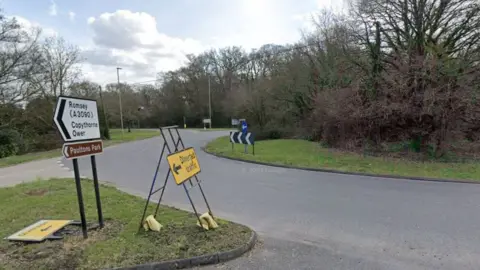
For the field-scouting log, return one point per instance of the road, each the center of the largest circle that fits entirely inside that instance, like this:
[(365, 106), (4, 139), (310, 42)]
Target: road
[(313, 220)]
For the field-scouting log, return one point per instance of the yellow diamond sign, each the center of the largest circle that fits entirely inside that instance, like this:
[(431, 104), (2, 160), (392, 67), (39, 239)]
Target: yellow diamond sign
[(183, 164)]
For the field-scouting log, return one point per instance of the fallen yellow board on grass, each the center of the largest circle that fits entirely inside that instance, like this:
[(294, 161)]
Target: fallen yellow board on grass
[(39, 231)]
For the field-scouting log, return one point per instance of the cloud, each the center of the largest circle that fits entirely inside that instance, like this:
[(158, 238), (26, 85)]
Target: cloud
[(128, 30), (52, 10), (71, 15), (132, 41), (30, 26)]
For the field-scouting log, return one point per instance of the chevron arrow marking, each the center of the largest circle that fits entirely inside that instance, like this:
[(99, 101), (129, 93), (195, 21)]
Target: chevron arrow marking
[(248, 138)]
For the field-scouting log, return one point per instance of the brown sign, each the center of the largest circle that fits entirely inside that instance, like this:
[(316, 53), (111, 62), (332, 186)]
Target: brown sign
[(76, 150)]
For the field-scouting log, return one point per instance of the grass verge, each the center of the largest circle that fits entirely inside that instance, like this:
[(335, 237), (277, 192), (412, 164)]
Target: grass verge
[(212, 129), (117, 245), (115, 134), (311, 155)]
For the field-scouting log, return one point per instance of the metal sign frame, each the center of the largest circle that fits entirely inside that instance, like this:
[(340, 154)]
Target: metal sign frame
[(178, 146)]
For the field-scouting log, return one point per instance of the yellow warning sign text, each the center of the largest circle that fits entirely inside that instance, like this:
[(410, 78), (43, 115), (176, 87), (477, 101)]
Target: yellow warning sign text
[(184, 165)]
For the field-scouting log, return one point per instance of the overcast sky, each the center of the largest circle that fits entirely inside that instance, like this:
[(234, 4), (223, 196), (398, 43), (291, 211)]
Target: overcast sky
[(147, 36)]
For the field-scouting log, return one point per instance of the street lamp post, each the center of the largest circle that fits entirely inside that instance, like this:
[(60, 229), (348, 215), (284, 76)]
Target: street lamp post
[(209, 101), (120, 99), (184, 118), (106, 132)]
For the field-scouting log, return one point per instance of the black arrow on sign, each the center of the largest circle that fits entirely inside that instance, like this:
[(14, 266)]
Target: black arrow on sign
[(46, 229), (59, 118), (176, 168)]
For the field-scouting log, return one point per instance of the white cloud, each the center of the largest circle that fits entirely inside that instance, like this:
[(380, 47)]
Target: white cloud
[(132, 41), (52, 10), (30, 26), (71, 15)]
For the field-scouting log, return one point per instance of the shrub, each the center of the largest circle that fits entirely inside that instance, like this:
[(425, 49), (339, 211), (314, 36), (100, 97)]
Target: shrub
[(9, 142), (427, 109), (44, 142), (270, 132)]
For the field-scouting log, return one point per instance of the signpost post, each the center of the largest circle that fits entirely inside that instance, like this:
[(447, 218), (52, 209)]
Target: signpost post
[(78, 123)]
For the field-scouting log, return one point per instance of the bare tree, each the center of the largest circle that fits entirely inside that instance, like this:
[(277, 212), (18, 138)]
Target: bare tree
[(60, 65), (19, 59)]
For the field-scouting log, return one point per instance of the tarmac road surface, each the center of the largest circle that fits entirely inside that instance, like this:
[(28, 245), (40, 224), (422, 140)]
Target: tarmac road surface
[(313, 220)]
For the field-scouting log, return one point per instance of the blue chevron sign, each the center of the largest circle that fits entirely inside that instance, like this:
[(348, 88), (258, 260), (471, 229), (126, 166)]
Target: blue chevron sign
[(244, 138)]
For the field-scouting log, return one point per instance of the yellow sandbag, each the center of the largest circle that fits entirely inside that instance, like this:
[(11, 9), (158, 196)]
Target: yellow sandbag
[(211, 222), (207, 222), (204, 224), (145, 225), (152, 224)]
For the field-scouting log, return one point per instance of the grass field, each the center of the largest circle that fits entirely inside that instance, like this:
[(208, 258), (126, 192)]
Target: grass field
[(115, 134), (309, 154), (117, 245)]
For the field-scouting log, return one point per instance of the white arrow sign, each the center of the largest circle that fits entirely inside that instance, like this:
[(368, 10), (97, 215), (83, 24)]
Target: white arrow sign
[(77, 119), (248, 138), (65, 151), (231, 136)]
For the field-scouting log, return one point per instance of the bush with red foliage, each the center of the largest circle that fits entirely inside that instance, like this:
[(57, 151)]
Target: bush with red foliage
[(432, 100)]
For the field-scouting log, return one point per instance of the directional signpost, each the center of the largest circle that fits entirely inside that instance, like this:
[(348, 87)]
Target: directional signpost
[(78, 124), (77, 119), (244, 138), (75, 150)]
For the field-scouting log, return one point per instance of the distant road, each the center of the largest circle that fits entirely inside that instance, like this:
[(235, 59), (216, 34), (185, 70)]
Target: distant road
[(313, 220)]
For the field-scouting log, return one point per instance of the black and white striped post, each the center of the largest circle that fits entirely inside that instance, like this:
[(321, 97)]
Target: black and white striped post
[(243, 138)]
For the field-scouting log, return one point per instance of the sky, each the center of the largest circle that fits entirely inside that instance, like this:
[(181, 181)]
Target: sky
[(144, 37)]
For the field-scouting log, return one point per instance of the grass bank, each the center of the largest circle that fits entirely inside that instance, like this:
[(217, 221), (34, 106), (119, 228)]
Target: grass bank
[(117, 245), (115, 134), (312, 155)]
